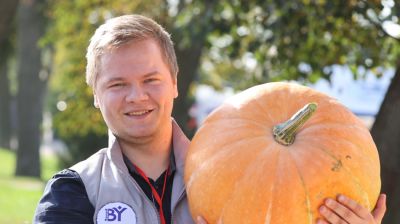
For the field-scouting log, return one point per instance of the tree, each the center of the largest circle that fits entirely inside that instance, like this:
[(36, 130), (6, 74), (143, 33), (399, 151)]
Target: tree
[(5, 97), (191, 39), (7, 12), (32, 79), (386, 134)]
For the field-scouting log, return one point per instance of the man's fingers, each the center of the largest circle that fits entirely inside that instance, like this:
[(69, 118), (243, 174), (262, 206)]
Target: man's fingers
[(330, 216), (380, 208), (354, 206), (342, 211)]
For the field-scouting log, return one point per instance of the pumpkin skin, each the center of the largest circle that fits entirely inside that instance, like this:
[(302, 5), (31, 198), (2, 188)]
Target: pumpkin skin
[(236, 172)]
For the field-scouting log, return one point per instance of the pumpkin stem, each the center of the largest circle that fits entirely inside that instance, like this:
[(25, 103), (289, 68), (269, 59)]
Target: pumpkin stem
[(284, 133)]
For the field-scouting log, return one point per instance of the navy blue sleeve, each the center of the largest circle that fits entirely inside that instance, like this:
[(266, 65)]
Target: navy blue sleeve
[(64, 201)]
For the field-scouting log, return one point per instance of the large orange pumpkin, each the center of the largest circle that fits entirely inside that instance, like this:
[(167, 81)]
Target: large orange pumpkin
[(243, 166)]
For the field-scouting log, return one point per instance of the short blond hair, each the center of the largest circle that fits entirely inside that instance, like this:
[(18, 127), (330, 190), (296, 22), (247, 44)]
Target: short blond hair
[(120, 30)]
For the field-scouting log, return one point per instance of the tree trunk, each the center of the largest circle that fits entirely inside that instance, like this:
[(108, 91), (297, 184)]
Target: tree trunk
[(7, 13), (5, 103), (189, 61), (31, 87), (386, 134)]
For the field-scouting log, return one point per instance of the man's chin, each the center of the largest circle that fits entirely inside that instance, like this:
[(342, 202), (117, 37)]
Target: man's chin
[(135, 139), (143, 132), (138, 135)]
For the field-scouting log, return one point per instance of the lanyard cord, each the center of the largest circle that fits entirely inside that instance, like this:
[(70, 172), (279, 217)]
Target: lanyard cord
[(154, 191)]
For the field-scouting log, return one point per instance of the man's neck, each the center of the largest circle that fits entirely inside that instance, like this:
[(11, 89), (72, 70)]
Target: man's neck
[(152, 156)]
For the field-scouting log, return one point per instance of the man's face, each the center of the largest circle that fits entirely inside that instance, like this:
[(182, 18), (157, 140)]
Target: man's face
[(135, 90)]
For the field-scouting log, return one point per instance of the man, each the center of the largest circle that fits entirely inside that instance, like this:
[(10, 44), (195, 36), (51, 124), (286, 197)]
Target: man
[(133, 71)]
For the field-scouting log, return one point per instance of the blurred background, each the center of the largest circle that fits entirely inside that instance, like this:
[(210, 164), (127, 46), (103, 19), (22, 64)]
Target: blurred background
[(348, 49)]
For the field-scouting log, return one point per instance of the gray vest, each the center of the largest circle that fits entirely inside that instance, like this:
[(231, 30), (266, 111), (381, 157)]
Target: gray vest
[(118, 198)]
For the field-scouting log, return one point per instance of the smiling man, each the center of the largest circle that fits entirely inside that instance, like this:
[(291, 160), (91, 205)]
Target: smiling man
[(132, 69)]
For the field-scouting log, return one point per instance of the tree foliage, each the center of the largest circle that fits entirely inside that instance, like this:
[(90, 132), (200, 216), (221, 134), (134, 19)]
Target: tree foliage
[(261, 41), (240, 43)]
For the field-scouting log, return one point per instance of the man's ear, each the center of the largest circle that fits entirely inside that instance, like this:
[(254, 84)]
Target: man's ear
[(95, 100), (176, 88)]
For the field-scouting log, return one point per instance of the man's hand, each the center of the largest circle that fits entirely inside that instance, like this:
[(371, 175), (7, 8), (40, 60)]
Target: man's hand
[(345, 210)]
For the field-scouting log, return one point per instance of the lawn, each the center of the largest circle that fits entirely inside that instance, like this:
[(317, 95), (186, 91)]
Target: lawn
[(19, 195)]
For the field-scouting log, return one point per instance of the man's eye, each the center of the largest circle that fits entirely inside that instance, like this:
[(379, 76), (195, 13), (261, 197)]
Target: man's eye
[(116, 85), (150, 80)]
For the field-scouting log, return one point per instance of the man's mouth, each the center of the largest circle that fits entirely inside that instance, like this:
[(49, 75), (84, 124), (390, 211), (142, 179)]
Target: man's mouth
[(138, 113)]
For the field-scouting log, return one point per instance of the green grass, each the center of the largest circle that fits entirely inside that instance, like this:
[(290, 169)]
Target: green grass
[(20, 195)]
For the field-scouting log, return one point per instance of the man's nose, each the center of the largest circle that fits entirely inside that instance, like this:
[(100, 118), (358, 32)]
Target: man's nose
[(136, 93)]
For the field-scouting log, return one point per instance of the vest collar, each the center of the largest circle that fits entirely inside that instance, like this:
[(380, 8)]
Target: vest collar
[(180, 147)]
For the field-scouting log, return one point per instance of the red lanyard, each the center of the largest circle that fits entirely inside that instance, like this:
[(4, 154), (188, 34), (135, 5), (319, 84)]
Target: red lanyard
[(154, 191)]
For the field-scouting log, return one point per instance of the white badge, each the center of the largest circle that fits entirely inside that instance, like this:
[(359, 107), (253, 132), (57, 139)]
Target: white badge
[(116, 212)]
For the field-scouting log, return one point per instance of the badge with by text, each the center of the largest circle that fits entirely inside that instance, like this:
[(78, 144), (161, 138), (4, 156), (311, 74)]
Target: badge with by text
[(116, 212)]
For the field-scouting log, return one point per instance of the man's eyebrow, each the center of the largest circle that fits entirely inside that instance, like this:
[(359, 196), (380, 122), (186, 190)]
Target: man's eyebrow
[(150, 74), (114, 79)]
